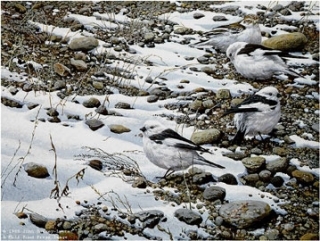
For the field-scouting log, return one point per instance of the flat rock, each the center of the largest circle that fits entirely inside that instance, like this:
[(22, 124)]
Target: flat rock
[(253, 164), (38, 220), (36, 170), (242, 214), (83, 43), (94, 124), (279, 165), (11, 103), (286, 42), (303, 177), (188, 216), (149, 218), (119, 129), (208, 136), (79, 64)]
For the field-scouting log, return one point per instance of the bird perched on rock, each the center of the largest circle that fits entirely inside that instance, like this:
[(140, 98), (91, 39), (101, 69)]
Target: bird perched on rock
[(258, 114), (257, 62), (167, 149), (221, 38)]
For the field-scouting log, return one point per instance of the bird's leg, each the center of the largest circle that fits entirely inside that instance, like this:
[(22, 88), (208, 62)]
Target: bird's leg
[(168, 173)]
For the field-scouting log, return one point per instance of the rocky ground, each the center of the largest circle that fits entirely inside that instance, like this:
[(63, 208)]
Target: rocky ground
[(79, 73)]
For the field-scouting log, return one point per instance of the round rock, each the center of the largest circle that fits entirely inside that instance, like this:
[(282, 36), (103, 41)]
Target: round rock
[(83, 43), (214, 193), (36, 170), (243, 214), (188, 216), (286, 42), (206, 137)]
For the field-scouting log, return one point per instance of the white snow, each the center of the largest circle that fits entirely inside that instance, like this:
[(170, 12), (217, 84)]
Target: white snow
[(24, 138)]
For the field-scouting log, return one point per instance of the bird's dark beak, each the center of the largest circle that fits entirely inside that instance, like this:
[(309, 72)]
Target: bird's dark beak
[(143, 129)]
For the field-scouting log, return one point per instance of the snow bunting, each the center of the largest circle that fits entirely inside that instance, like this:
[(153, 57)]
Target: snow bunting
[(220, 38), (258, 114), (167, 149), (257, 62)]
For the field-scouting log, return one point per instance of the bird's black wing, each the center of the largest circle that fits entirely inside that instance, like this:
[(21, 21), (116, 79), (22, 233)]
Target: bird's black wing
[(257, 99), (250, 100), (249, 48), (169, 133)]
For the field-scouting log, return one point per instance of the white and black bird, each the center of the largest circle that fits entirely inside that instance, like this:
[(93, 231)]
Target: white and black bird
[(254, 61), (167, 149), (221, 38), (257, 114)]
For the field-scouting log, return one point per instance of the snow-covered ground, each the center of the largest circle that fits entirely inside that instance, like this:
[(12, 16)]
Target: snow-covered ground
[(26, 139)]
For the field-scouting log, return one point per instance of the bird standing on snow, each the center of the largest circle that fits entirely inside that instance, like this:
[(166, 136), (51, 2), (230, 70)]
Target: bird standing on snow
[(168, 150), (220, 38), (258, 114), (258, 62)]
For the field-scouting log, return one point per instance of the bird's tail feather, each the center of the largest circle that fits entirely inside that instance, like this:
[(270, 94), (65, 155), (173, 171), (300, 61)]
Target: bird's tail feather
[(211, 163)]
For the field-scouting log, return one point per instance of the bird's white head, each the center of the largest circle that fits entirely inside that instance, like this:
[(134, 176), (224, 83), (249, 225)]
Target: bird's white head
[(269, 92), (152, 127), (234, 48)]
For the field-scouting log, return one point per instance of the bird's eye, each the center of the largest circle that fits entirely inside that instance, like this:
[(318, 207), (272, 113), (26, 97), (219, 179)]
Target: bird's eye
[(270, 94), (152, 127)]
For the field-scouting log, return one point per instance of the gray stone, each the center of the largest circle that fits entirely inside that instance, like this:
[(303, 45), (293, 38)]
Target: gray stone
[(242, 214), (122, 105), (251, 178), (265, 175), (188, 216), (196, 105), (79, 64), (253, 164), (198, 15), (182, 30), (272, 234), (102, 110), (214, 193), (98, 85), (83, 43), (100, 227), (228, 178), (279, 165), (223, 94), (149, 37), (286, 42), (91, 103), (11, 103), (152, 98), (149, 218), (38, 220), (280, 151), (119, 129), (208, 69), (208, 136), (219, 18), (94, 124)]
